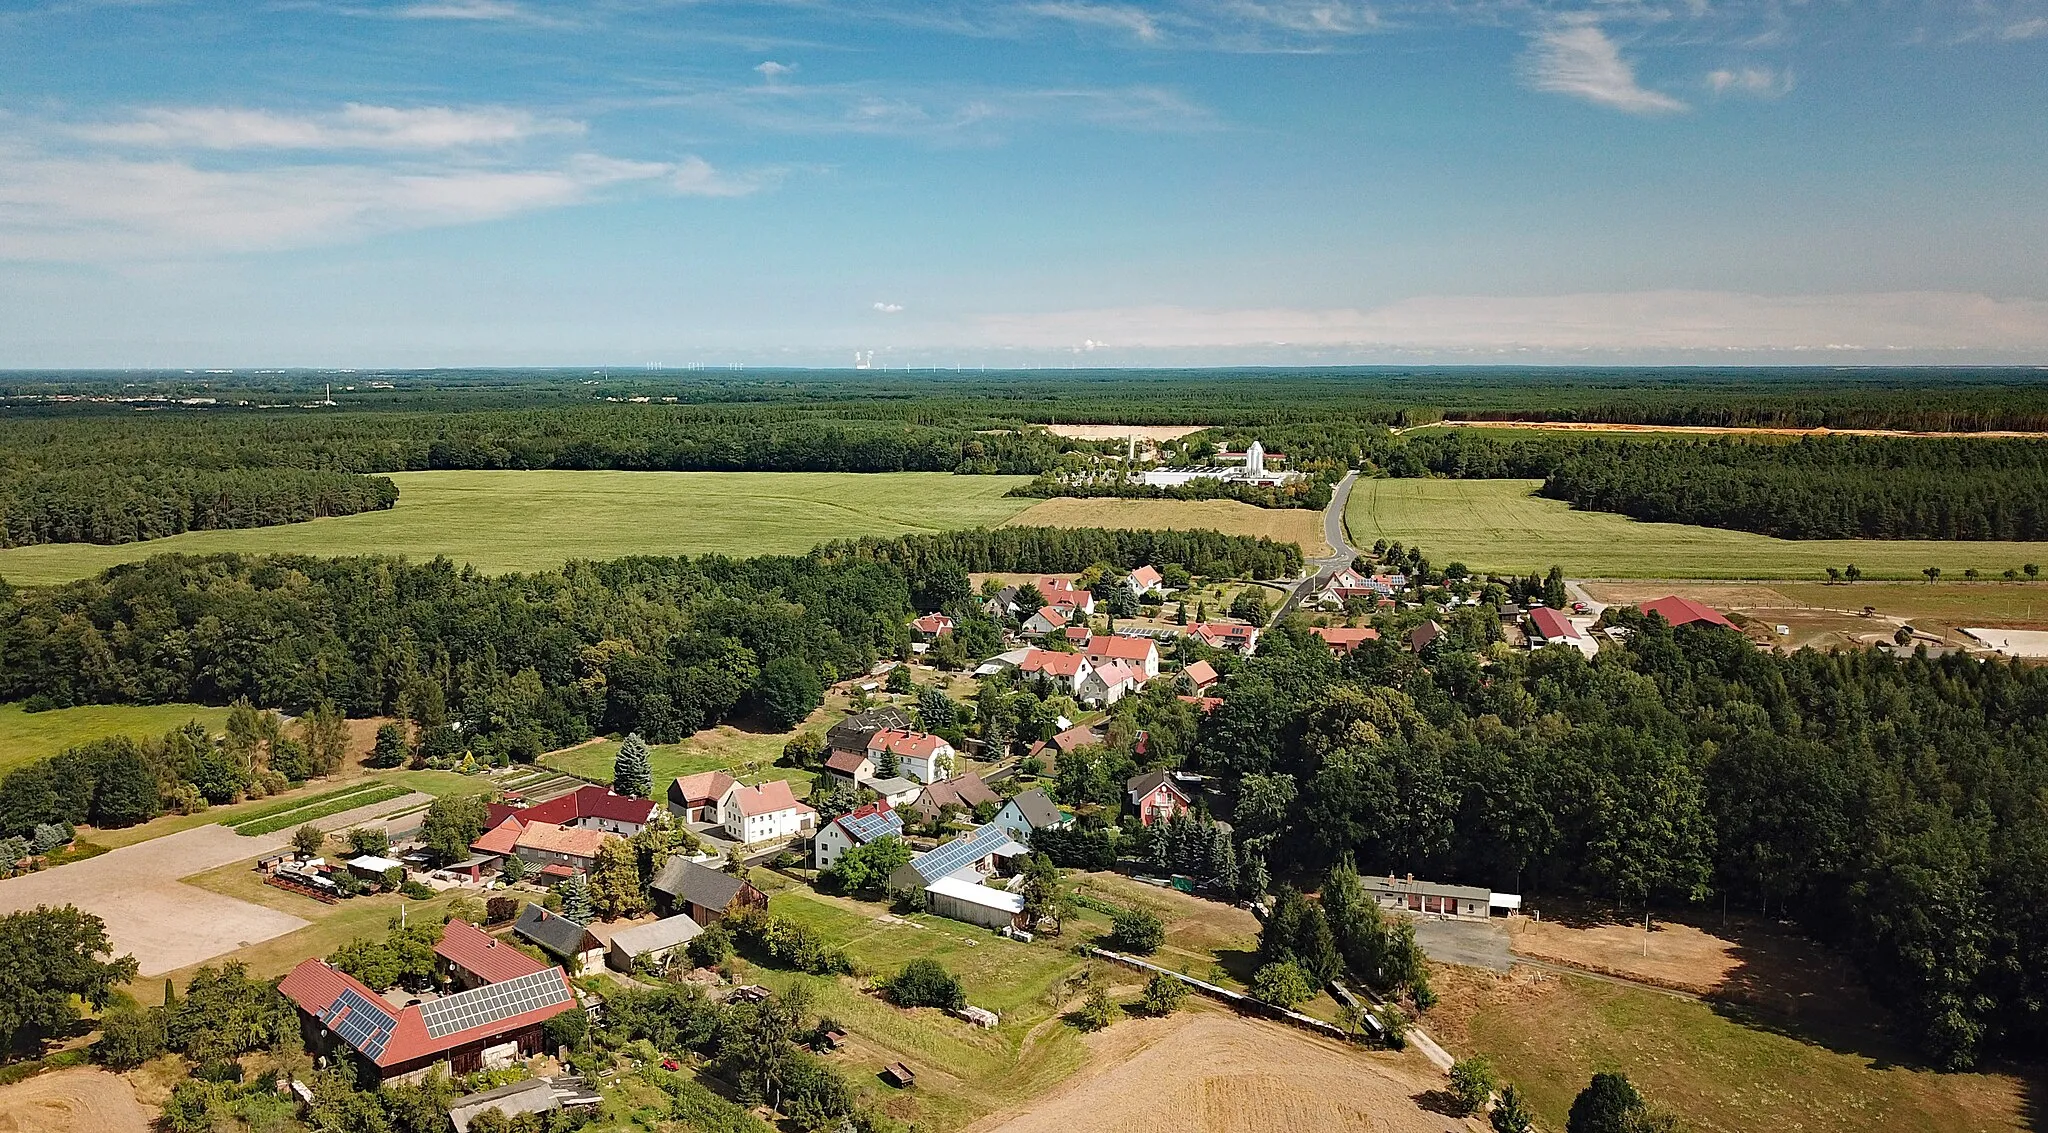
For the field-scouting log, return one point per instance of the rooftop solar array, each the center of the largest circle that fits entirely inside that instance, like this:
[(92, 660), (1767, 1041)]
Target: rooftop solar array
[(951, 857), (869, 827), (362, 1023), (489, 1004)]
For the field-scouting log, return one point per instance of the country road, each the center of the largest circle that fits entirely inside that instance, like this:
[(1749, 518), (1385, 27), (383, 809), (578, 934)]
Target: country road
[(1341, 551)]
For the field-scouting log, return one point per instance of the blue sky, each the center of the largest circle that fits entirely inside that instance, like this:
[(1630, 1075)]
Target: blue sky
[(1045, 182)]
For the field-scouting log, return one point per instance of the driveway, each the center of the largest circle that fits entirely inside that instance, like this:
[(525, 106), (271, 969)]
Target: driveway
[(1470, 944)]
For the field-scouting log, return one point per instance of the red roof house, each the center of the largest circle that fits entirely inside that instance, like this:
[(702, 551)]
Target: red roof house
[(1684, 612), (1201, 674), (591, 807), (1342, 639), (339, 1013), (701, 797), (1140, 653), (1225, 635), (932, 625), (1553, 626), (471, 957)]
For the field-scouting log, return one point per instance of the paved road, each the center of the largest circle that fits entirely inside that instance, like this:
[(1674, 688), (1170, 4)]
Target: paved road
[(1341, 551)]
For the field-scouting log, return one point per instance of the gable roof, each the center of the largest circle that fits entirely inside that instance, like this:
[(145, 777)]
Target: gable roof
[(692, 883), (390, 1036), (490, 959), (572, 841), (870, 823), (1037, 808), (1202, 673), (1117, 673), (500, 839), (591, 801), (554, 932), (1684, 611), (703, 787), (1117, 647), (1145, 577), (966, 790), (1226, 632), (1075, 738), (1054, 663), (914, 745), (1553, 626), (932, 623), (771, 797), (1141, 785), (850, 733), (951, 857), (1344, 639), (846, 762), (1423, 634), (1053, 617), (656, 935)]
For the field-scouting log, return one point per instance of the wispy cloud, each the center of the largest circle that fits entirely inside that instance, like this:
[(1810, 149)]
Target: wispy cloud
[(354, 126), (1576, 57), (2024, 29), (1752, 82), (945, 115), (462, 10), (1138, 22), (772, 72)]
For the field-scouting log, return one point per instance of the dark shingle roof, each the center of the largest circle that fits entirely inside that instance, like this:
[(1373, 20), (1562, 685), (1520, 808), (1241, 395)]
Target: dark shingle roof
[(1037, 808), (852, 733), (554, 932), (685, 881)]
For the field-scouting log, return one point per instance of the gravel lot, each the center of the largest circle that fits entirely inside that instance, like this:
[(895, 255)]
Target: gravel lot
[(1473, 944)]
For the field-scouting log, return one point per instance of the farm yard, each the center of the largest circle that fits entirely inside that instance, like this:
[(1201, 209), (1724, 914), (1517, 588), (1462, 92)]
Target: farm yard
[(1285, 525), (512, 521), (1502, 526)]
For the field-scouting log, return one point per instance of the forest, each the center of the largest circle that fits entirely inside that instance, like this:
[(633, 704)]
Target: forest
[(129, 504)]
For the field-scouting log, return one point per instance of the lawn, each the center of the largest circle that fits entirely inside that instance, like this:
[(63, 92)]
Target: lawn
[(507, 521), (748, 756), (1285, 525), (1502, 526), (963, 1072), (29, 736), (1716, 1074)]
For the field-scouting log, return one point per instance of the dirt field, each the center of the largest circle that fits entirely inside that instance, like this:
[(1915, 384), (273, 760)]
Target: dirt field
[(1287, 525), (1717, 430), (1119, 432), (1208, 1072), (1824, 616), (72, 1101), (165, 923)]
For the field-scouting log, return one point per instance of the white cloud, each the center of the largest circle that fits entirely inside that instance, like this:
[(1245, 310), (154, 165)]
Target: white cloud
[(463, 10), (2024, 29), (1575, 57), (355, 126), (1138, 22), (772, 72), (945, 115), (1753, 82), (889, 308), (1653, 321), (82, 208)]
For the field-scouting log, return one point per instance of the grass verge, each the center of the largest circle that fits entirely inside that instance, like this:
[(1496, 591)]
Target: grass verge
[(314, 813)]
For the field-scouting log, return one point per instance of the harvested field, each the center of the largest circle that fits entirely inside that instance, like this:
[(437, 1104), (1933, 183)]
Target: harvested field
[(1207, 1072), (84, 1100), (1286, 525), (1119, 432)]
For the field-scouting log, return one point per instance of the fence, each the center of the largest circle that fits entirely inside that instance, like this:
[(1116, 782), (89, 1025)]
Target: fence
[(1237, 999)]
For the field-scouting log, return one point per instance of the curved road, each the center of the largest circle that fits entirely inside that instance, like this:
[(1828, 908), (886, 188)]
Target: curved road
[(1341, 551)]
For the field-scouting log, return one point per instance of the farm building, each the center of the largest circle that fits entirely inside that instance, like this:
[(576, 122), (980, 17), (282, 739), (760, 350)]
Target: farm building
[(654, 943), (965, 898), (1685, 612), (1430, 898), (1029, 811), (703, 894), (545, 844), (1155, 797), (558, 936), (471, 1030), (586, 808), (857, 827), (467, 956), (701, 797), (766, 812), (976, 855)]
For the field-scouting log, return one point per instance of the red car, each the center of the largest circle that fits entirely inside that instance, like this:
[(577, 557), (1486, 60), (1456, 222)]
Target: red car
[(671, 1064)]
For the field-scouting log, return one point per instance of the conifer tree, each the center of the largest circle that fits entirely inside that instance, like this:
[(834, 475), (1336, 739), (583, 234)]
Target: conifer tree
[(633, 772)]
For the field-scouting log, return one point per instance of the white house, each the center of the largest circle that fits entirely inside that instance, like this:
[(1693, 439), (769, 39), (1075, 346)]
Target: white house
[(1049, 619), (1141, 653), (1031, 810), (870, 823), (702, 797), (1145, 580), (766, 812), (1070, 669), (1109, 684), (1060, 592), (919, 755)]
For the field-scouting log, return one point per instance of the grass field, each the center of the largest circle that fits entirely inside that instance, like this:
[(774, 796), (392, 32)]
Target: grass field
[(749, 756), (1502, 526), (29, 736), (1715, 1074), (506, 521), (1286, 525)]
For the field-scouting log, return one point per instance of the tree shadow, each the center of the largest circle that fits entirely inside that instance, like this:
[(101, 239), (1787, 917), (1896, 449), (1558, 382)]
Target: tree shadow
[(1241, 963), (1440, 1102)]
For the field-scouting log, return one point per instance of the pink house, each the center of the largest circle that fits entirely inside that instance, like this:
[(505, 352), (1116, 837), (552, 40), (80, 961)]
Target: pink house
[(1154, 797)]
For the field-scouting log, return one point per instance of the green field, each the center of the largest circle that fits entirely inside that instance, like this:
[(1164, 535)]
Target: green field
[(1502, 526), (506, 521), (749, 756), (29, 736)]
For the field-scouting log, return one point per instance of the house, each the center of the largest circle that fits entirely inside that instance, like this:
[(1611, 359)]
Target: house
[(1685, 612), (851, 734), (1060, 592), (1225, 635), (534, 1095), (857, 827), (964, 791), (1069, 669), (965, 898), (1342, 640), (766, 812), (1429, 898), (566, 940), (1155, 797), (1109, 683), (1553, 628), (703, 894), (1145, 580), (919, 755), (1078, 636), (1063, 744), (1423, 636), (1200, 676), (848, 768), (976, 854), (1141, 653), (1203, 704), (545, 844), (467, 956), (651, 945), (1029, 811), (894, 789), (701, 797), (586, 808), (1048, 619), (488, 1026), (931, 626)]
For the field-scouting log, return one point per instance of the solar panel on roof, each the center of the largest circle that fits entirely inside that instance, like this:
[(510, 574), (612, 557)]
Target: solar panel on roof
[(947, 859), (362, 1023), (869, 827), (491, 1003)]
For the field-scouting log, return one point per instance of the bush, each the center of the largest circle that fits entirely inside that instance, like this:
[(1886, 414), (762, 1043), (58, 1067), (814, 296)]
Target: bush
[(926, 983), (417, 890), (569, 1029), (1163, 995), (1282, 985), (1095, 1012), (129, 1037), (710, 948), (1137, 931), (1472, 1083)]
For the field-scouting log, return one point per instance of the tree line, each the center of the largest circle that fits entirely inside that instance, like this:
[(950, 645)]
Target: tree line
[(129, 504)]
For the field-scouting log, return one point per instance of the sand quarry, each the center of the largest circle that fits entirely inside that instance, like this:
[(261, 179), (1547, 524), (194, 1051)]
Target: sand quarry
[(1208, 1072)]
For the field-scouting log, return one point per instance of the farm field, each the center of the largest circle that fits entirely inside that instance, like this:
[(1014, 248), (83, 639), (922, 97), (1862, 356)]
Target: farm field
[(1549, 1034), (1502, 526), (1286, 525), (509, 521), (81, 1100), (29, 736), (749, 757)]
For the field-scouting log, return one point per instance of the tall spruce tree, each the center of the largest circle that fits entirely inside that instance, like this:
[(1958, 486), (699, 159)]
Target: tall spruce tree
[(633, 773)]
